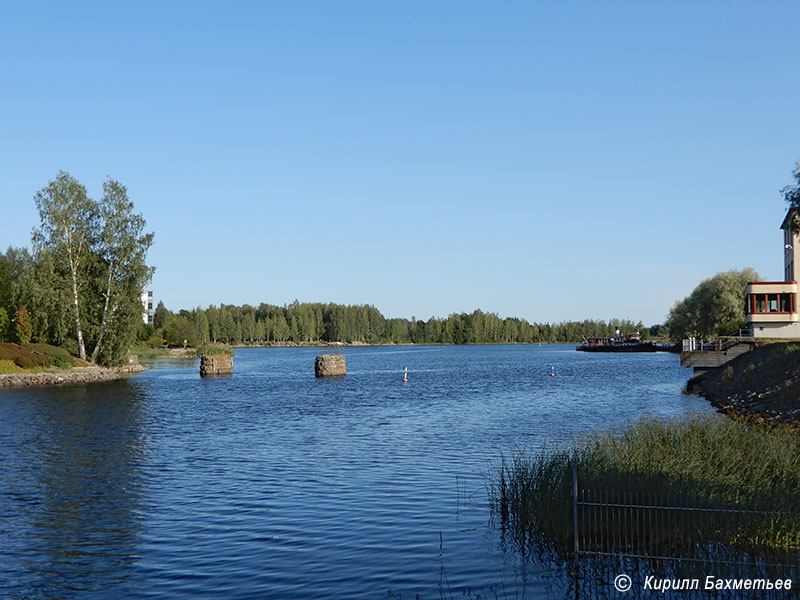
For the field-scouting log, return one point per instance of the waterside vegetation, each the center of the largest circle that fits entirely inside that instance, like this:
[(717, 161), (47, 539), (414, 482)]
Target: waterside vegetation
[(715, 307), (43, 364), (143, 351), (695, 461), (15, 358)]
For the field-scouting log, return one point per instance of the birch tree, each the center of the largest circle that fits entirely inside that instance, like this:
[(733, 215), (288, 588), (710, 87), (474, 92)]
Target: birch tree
[(95, 254), (122, 247), (68, 220)]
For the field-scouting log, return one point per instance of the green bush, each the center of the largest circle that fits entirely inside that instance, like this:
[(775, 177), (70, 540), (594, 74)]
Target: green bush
[(62, 358), (24, 357), (70, 345), (145, 331), (154, 341)]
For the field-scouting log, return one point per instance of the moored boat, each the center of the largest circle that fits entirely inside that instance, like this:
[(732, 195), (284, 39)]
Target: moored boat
[(618, 343)]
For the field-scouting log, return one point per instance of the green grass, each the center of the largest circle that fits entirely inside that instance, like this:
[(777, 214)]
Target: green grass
[(149, 352), (9, 366), (695, 461), (215, 349), (209, 349)]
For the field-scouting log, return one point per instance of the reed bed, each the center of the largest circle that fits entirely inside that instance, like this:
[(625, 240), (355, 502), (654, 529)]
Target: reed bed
[(693, 462)]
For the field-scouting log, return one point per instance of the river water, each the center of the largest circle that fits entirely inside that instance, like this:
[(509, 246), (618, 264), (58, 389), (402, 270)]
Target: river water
[(274, 484)]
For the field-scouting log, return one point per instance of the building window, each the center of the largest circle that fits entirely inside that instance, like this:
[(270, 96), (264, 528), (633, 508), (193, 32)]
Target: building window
[(769, 303), (761, 303), (772, 302)]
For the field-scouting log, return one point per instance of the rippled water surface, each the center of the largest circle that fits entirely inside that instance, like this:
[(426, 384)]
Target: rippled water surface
[(274, 484)]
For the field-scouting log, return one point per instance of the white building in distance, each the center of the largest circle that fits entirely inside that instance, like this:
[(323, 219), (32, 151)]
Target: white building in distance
[(147, 306)]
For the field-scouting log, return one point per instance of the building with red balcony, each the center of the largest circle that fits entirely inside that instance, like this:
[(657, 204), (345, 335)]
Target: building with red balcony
[(771, 306)]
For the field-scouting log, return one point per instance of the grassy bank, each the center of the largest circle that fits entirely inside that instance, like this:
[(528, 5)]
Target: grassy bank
[(210, 349), (16, 358), (696, 461), (142, 351)]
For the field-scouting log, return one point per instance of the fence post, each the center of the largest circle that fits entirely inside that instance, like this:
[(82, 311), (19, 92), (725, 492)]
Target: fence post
[(576, 547)]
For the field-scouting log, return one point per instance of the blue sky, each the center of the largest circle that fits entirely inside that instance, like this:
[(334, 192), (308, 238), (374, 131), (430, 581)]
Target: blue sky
[(551, 161)]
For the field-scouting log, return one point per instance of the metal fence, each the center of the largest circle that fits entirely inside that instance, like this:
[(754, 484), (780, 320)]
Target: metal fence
[(654, 538), (718, 344)]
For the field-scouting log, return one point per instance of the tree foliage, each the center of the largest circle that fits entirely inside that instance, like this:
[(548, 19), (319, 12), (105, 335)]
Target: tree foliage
[(4, 323), (68, 222), (122, 250), (791, 193), (160, 315), (317, 323), (715, 306), (83, 283), (22, 325)]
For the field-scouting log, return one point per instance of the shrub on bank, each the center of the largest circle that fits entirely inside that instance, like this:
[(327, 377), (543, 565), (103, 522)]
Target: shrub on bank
[(71, 346), (23, 357), (695, 461), (154, 341), (62, 358)]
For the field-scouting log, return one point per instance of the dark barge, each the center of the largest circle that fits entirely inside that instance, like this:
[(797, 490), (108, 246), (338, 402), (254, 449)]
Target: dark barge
[(618, 343)]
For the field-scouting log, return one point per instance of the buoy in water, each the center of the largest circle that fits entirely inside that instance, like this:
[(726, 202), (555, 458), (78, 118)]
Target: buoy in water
[(553, 371), (405, 375)]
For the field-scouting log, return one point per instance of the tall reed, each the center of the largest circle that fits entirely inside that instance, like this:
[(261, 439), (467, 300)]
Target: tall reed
[(698, 461)]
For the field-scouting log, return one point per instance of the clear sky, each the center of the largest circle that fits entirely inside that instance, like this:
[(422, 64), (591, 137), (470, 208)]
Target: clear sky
[(547, 160)]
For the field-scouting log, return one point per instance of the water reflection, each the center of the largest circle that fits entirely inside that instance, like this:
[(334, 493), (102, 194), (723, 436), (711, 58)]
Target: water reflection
[(71, 491)]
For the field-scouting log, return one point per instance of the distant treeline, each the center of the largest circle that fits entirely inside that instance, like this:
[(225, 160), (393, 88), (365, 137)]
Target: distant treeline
[(316, 322)]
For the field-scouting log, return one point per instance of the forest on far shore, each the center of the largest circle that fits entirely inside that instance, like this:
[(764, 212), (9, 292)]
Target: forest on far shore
[(304, 323)]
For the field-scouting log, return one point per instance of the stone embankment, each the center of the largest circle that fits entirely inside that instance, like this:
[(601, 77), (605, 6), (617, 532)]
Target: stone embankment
[(76, 375), (764, 383)]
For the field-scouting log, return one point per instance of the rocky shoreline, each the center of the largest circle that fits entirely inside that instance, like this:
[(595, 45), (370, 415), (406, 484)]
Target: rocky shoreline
[(763, 383), (76, 375)]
